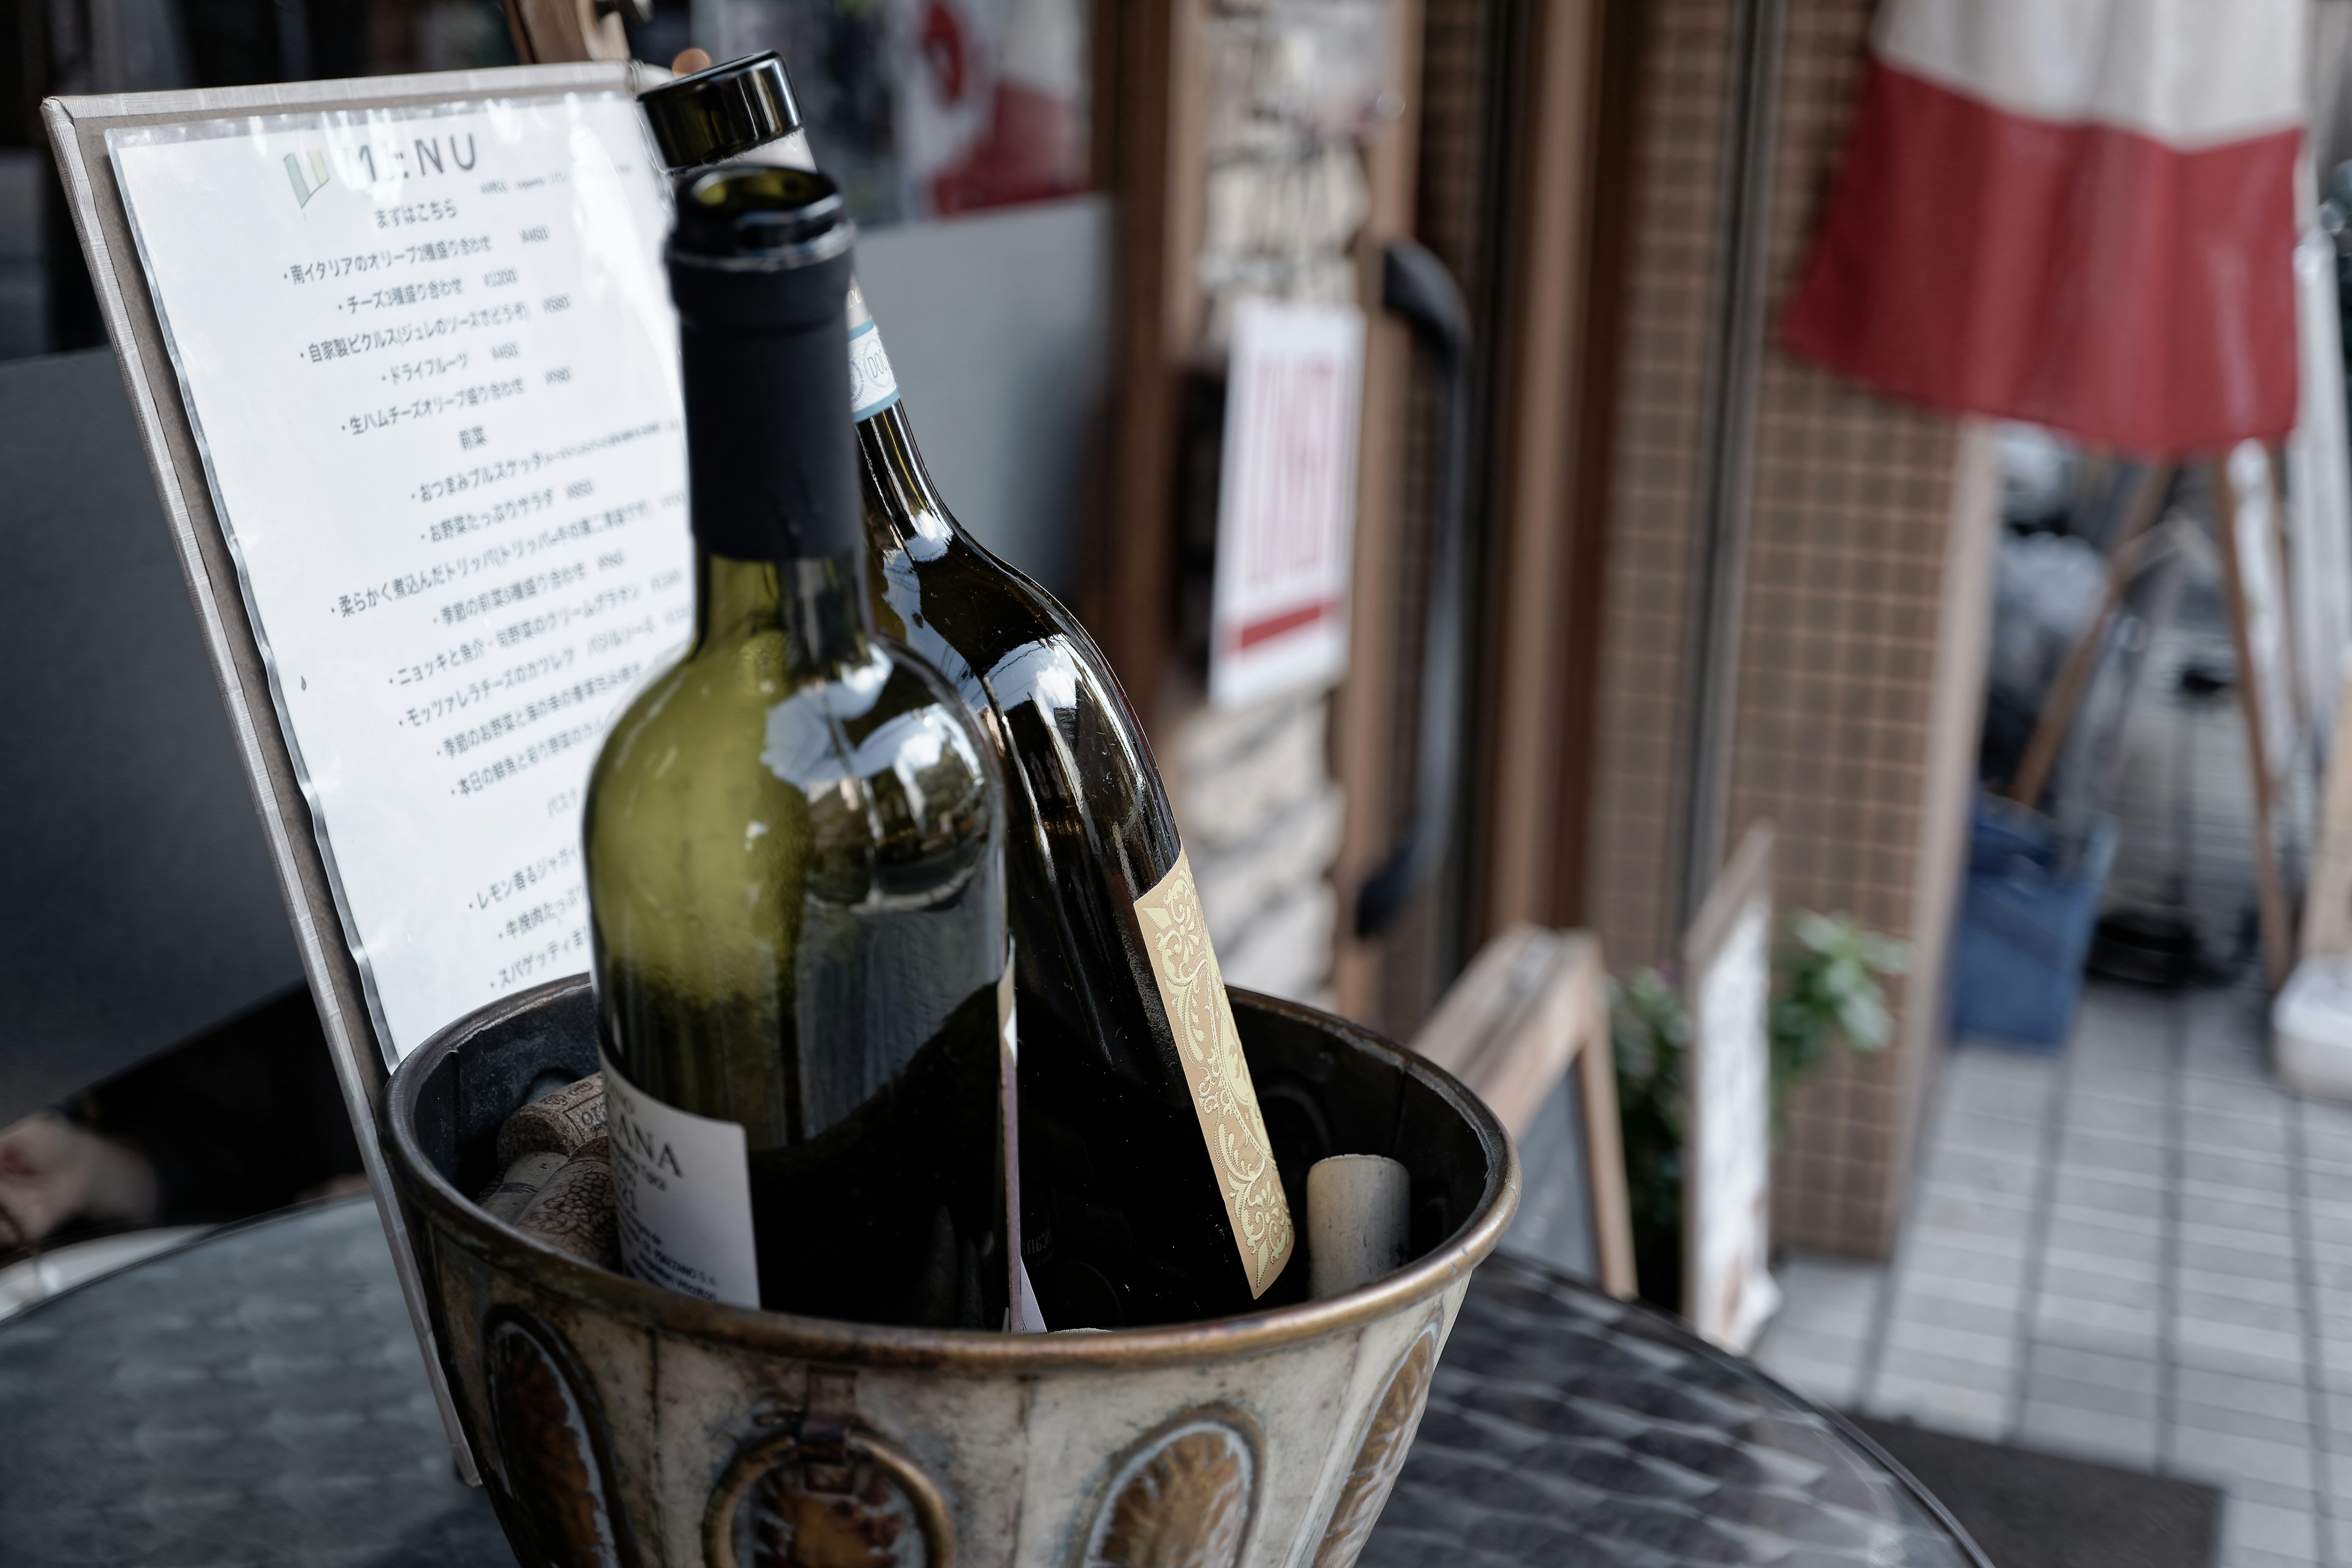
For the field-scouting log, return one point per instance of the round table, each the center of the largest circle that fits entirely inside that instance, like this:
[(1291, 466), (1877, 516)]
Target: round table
[(257, 1398)]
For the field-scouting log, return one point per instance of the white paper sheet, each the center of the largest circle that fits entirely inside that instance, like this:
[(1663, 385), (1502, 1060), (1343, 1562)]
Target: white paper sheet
[(1286, 503), (459, 558)]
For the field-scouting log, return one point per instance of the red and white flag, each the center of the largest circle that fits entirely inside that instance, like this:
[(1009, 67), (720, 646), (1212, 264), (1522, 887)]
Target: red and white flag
[(2078, 213)]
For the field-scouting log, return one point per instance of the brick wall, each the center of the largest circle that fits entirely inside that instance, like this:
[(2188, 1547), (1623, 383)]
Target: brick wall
[(1863, 606)]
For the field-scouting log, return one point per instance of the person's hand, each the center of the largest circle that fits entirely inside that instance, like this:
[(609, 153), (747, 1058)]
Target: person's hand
[(53, 1173), (690, 62)]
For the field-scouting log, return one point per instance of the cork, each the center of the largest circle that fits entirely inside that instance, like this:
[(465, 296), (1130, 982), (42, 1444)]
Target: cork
[(574, 1211), (504, 1199), (558, 1123), (1358, 1221)]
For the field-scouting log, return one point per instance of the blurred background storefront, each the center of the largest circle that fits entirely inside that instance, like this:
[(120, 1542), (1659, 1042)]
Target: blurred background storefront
[(1688, 583), (1611, 574)]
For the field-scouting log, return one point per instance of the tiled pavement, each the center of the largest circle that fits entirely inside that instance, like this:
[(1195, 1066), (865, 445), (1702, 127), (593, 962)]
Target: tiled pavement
[(2139, 1251)]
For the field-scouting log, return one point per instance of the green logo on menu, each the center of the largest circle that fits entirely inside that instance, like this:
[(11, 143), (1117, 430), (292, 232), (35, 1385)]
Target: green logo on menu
[(307, 173)]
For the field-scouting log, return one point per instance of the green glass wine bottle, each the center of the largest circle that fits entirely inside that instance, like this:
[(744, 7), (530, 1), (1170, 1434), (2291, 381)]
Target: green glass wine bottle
[(793, 850), (1148, 1187)]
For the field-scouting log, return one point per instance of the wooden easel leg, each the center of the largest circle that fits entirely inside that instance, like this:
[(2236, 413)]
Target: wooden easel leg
[(2074, 675), (2270, 894)]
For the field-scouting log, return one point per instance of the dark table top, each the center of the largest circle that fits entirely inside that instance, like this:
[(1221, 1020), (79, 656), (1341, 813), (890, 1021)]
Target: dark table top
[(257, 1398)]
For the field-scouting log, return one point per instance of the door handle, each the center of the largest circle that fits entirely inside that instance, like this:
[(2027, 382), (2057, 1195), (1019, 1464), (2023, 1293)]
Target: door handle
[(1415, 286)]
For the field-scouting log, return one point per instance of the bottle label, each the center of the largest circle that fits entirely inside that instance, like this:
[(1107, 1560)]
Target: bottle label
[(872, 387), (682, 1192), (1193, 992)]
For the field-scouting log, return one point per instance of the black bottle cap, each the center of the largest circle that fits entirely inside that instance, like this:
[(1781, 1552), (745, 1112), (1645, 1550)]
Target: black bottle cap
[(722, 112), (762, 215)]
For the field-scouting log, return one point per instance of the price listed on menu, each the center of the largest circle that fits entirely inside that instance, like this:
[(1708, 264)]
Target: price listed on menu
[(431, 363)]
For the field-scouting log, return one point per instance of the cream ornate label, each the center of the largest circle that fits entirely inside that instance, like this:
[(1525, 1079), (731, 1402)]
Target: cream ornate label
[(1210, 1047)]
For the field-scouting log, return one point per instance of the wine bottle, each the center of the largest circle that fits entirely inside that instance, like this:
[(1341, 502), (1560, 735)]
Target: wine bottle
[(793, 842), (1149, 1190)]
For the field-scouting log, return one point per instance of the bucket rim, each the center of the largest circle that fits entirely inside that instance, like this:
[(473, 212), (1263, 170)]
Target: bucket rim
[(519, 1256)]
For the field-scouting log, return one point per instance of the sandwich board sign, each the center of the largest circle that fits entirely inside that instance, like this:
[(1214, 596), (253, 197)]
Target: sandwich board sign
[(1729, 1293)]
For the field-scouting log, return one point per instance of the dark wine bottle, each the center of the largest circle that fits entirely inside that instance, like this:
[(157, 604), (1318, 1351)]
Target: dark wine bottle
[(794, 844), (1149, 1191)]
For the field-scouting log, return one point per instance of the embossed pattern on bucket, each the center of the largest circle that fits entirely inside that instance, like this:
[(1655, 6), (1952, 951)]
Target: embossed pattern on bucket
[(620, 1425)]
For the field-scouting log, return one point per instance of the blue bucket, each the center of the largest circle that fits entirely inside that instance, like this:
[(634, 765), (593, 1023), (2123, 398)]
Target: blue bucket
[(2026, 918)]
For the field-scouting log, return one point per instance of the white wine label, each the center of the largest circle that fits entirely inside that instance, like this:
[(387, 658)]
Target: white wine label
[(1193, 992), (682, 1187), (872, 387)]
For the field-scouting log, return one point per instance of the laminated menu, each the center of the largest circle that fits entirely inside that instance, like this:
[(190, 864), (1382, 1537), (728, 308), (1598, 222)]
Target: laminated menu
[(430, 362)]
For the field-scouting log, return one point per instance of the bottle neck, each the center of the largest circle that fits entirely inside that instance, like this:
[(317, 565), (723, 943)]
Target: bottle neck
[(817, 604), (772, 460), (910, 503)]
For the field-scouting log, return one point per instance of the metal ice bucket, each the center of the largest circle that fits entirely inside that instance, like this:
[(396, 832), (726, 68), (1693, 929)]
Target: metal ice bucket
[(618, 1423)]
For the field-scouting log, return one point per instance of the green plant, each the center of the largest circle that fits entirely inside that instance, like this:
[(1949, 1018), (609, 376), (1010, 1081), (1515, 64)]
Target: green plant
[(1649, 1031), (1826, 988), (1827, 979)]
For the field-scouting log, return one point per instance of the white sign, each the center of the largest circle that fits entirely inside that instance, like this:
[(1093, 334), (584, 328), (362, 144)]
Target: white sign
[(1286, 504), (431, 361), (1727, 1289)]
